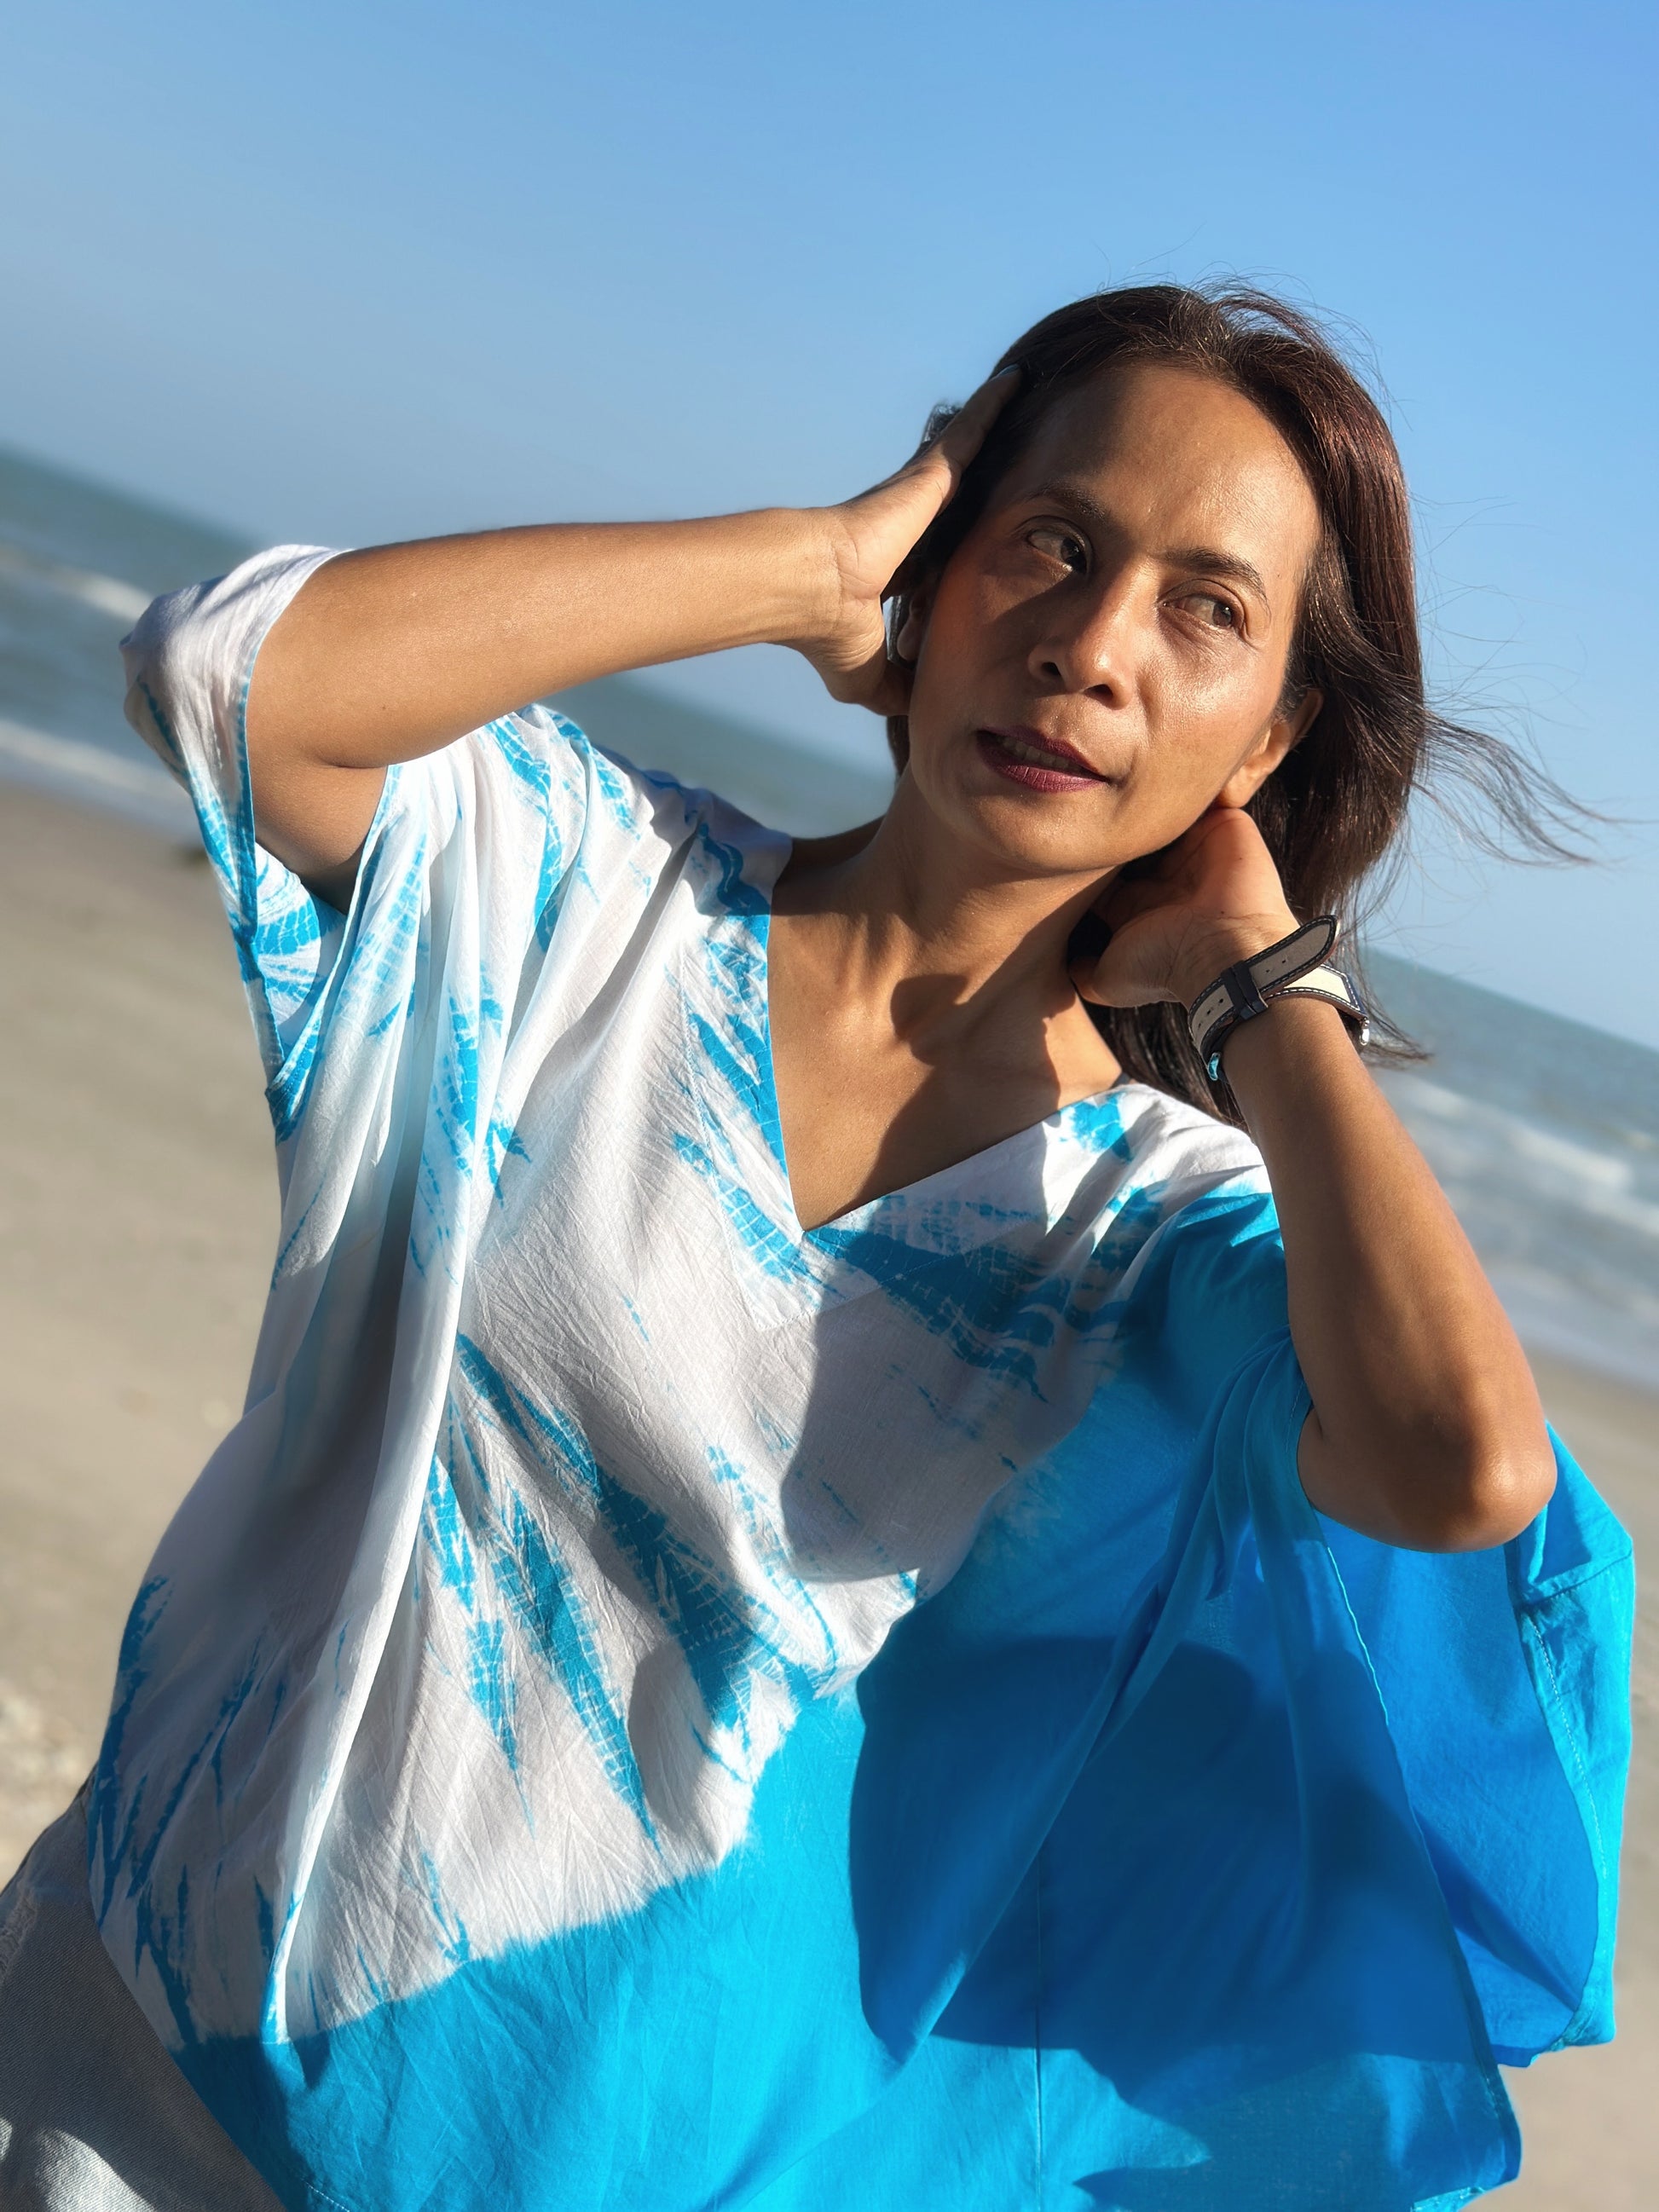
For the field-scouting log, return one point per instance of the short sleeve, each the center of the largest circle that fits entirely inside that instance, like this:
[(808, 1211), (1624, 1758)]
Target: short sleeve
[(1267, 1840), (1505, 1678), (461, 872)]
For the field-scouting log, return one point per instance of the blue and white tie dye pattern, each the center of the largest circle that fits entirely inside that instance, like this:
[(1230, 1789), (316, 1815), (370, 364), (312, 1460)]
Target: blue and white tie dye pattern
[(653, 1708)]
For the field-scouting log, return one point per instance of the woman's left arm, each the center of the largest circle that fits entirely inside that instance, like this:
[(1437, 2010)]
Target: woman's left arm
[(1426, 1429)]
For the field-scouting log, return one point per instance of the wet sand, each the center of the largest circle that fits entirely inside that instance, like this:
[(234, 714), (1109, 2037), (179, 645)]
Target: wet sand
[(137, 1215)]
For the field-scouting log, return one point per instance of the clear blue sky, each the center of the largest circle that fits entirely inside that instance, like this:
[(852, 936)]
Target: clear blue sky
[(344, 272)]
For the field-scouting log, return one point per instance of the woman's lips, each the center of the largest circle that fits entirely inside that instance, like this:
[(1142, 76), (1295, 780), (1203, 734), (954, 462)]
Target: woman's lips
[(1040, 764)]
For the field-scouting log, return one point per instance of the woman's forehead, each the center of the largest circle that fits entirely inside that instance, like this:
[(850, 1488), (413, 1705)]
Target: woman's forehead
[(1163, 447)]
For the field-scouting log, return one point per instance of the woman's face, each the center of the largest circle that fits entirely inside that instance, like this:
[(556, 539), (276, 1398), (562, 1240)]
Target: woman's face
[(1105, 653)]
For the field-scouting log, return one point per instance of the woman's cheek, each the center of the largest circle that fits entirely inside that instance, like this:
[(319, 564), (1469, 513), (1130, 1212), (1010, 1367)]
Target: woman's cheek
[(1178, 776)]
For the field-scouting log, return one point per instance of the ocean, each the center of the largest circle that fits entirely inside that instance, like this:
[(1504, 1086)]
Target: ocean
[(1544, 1132)]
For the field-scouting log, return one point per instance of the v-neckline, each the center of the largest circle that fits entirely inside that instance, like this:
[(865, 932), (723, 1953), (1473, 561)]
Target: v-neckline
[(832, 1231)]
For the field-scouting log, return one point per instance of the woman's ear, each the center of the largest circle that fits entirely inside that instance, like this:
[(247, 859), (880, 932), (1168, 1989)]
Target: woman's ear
[(1281, 736), (907, 638)]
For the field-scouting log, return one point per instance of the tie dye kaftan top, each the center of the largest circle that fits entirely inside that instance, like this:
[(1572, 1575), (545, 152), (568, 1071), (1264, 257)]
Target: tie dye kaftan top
[(655, 1708)]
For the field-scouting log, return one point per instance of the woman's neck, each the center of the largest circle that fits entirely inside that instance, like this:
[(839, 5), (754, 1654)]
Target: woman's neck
[(918, 1013), (921, 924)]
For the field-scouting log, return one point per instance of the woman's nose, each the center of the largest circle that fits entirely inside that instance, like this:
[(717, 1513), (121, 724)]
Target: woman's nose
[(1086, 644)]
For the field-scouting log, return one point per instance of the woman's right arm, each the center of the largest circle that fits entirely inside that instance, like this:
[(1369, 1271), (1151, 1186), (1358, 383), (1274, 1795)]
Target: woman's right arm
[(386, 654)]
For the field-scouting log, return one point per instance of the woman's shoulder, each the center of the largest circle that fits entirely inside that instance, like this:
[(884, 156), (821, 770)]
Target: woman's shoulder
[(1174, 1198), (1159, 1140), (646, 809)]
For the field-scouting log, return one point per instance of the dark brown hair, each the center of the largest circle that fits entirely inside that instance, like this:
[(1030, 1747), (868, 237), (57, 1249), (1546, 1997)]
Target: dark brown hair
[(1336, 804)]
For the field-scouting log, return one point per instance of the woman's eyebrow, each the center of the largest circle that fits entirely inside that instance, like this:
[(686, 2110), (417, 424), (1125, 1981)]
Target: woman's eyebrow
[(1233, 567)]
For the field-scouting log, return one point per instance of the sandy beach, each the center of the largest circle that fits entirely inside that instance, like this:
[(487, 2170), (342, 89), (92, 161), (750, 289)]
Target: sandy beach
[(138, 1207)]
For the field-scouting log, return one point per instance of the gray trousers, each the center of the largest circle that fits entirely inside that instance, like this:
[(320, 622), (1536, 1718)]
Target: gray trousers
[(94, 2116)]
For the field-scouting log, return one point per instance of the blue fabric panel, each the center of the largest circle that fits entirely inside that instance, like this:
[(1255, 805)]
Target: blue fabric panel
[(664, 2063)]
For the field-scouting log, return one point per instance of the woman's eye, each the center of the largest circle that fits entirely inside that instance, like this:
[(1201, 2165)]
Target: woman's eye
[(1063, 545), (1211, 608)]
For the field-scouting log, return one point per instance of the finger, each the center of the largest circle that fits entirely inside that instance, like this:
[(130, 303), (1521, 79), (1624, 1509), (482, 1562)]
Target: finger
[(1126, 903), (1082, 973), (965, 433), (889, 691), (1149, 883), (879, 683), (958, 439), (1100, 984), (1159, 875)]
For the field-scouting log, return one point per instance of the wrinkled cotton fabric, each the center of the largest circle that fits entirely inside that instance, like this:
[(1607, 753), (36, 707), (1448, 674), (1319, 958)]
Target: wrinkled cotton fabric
[(656, 1707)]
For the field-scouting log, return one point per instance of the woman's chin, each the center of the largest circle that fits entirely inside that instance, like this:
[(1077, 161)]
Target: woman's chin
[(1019, 829), (1015, 844)]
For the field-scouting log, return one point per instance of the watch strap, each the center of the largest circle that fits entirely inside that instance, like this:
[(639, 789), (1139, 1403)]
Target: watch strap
[(1297, 966)]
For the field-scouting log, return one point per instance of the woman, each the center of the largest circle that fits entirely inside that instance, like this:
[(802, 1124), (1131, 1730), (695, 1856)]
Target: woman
[(787, 1624)]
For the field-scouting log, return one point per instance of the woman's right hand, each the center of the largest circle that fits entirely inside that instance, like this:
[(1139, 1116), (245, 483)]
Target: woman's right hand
[(869, 538)]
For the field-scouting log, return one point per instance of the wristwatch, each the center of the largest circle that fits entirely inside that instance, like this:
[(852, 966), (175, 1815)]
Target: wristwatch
[(1295, 967)]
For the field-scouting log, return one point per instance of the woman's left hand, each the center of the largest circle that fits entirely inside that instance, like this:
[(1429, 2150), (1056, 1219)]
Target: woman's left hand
[(1210, 899)]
